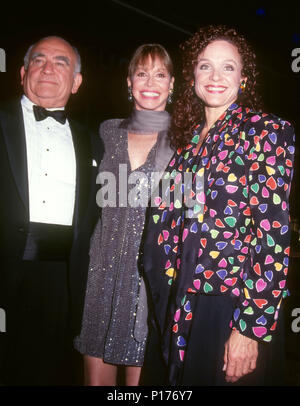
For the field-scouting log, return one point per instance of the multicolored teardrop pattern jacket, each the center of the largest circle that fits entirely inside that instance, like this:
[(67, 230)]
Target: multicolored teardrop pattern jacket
[(235, 239)]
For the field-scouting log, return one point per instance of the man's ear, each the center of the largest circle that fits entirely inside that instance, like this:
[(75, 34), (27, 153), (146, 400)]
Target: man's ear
[(76, 83), (22, 73)]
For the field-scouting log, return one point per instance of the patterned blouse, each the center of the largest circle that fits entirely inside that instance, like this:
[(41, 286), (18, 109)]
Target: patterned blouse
[(220, 226)]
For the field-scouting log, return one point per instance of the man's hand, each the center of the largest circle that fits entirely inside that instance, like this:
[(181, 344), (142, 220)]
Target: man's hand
[(240, 356)]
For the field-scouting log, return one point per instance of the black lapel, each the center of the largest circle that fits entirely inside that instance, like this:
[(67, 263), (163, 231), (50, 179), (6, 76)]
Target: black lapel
[(82, 157), (14, 136)]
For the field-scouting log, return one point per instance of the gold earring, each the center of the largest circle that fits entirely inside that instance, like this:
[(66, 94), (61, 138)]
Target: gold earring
[(242, 87)]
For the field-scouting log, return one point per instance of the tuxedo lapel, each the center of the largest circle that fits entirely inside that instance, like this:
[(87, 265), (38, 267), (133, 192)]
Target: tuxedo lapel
[(14, 137), (82, 155)]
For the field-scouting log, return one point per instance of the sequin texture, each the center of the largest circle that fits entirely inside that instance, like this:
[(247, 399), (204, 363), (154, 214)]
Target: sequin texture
[(112, 296)]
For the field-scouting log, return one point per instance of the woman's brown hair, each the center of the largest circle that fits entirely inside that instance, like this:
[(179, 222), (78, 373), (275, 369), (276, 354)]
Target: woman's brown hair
[(142, 53)]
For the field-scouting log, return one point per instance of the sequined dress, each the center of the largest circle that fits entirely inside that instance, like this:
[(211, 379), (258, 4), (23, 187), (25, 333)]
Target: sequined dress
[(110, 328)]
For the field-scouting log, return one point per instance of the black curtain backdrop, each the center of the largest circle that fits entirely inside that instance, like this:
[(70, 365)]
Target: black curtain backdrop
[(107, 33)]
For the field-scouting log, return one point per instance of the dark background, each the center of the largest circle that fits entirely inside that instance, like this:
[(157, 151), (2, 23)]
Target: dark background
[(107, 32)]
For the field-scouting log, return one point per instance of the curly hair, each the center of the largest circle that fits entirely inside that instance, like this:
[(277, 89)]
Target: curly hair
[(188, 109)]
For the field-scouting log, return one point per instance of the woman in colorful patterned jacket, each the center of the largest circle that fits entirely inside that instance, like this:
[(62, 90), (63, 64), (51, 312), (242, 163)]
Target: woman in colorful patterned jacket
[(216, 250)]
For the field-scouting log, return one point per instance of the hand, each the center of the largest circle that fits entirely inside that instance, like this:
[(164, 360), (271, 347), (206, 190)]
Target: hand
[(240, 356)]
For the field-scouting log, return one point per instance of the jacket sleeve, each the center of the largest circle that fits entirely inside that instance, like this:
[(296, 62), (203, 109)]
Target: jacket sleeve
[(269, 170)]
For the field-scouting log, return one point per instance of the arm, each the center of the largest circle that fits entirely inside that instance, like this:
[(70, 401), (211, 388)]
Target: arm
[(269, 174)]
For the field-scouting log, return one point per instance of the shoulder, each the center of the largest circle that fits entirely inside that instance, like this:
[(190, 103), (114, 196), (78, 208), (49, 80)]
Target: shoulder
[(10, 109), (258, 125), (110, 129), (81, 131), (258, 118), (11, 119), (110, 125), (86, 139)]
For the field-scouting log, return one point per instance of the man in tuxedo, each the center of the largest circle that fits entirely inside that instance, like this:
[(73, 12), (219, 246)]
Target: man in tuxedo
[(47, 214)]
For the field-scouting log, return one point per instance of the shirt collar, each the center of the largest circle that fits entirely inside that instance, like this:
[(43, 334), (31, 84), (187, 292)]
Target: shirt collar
[(28, 104)]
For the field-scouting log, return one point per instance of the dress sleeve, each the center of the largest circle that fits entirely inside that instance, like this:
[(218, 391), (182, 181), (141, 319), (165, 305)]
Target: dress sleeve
[(269, 150)]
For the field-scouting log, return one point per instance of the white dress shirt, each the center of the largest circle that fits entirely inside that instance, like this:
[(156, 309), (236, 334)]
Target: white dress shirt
[(51, 167)]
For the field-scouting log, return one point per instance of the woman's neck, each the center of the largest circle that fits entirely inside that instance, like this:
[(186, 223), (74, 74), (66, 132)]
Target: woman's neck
[(148, 121), (212, 114)]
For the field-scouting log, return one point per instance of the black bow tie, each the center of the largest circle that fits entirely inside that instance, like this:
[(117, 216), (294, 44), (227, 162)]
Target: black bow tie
[(40, 114)]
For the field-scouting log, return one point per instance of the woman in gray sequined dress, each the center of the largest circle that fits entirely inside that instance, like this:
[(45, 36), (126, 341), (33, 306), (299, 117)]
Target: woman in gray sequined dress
[(137, 150)]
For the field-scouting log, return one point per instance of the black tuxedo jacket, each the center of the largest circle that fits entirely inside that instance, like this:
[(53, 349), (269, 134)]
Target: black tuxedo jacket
[(14, 204)]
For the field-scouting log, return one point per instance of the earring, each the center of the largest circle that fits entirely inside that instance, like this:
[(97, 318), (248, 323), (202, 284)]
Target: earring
[(192, 83), (170, 96), (242, 87), (130, 97)]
